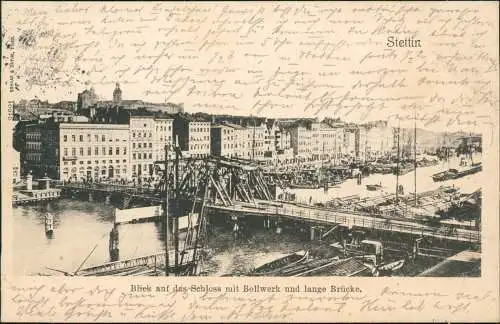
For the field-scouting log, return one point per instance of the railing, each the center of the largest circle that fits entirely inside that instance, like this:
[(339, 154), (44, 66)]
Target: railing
[(361, 220)]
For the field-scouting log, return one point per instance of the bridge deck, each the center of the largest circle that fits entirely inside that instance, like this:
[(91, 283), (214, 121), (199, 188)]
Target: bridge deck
[(311, 213), (350, 219)]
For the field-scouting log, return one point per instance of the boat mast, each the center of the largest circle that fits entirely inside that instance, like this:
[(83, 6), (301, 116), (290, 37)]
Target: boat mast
[(176, 208), (253, 140), (166, 211), (415, 157), (397, 167), (469, 148)]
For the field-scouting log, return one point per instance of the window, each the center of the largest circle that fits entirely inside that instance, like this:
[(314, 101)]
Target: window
[(140, 145), (133, 169), (89, 151), (124, 151), (117, 161), (133, 145), (81, 150), (150, 155), (110, 151), (88, 137), (96, 161), (139, 156), (96, 151), (73, 137), (81, 138), (133, 156), (103, 151), (65, 138), (65, 152), (117, 151), (103, 138), (96, 137), (144, 155), (150, 145)]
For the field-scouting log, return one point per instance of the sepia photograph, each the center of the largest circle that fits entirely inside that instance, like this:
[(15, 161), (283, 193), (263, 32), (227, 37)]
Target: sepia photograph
[(245, 143), (150, 189)]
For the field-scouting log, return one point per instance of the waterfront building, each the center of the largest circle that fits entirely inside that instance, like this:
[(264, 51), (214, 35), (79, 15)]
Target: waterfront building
[(301, 141), (223, 141), (162, 136), (241, 136), (192, 134), (331, 139), (379, 140), (141, 138), (77, 151), (41, 149), (349, 141), (256, 139), (93, 152)]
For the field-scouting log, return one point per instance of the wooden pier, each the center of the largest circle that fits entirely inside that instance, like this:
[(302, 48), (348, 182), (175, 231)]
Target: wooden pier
[(35, 196)]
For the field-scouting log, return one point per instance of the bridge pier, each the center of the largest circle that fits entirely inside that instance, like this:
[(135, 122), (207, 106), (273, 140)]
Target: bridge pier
[(114, 251), (267, 222), (236, 227), (278, 226), (91, 197), (316, 233)]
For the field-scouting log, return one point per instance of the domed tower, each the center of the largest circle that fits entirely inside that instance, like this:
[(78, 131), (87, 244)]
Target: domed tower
[(117, 94)]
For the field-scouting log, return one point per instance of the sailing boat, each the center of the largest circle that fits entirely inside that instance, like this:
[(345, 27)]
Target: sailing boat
[(464, 170)]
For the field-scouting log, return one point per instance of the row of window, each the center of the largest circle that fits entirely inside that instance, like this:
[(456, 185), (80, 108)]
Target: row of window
[(199, 147), (90, 162), (96, 151), (143, 155), (204, 138), (143, 134), (89, 138), (200, 129), (142, 145)]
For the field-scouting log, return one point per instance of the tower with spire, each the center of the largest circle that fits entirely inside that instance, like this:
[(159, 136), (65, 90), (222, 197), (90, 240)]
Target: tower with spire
[(117, 94)]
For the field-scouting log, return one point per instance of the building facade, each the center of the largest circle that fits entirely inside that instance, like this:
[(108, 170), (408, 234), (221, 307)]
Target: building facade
[(223, 141), (86, 98), (93, 152), (41, 150), (192, 135)]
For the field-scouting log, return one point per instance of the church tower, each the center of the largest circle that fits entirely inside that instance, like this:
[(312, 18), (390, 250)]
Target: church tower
[(117, 94)]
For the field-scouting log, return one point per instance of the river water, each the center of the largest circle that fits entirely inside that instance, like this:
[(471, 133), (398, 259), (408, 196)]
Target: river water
[(80, 227)]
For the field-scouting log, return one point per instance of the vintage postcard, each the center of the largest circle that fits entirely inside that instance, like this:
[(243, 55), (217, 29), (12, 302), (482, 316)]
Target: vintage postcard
[(250, 161)]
